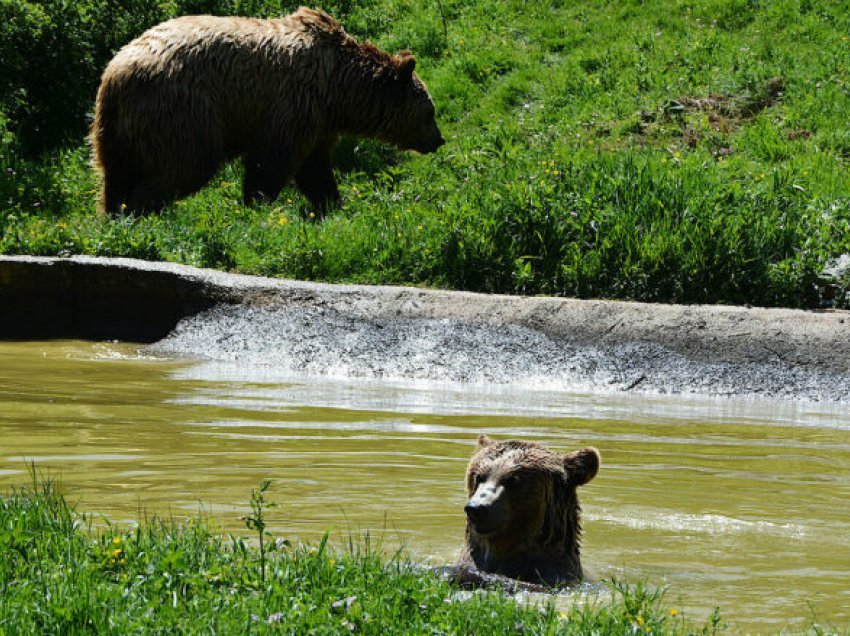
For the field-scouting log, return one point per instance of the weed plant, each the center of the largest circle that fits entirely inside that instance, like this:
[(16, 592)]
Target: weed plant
[(60, 576), (669, 151)]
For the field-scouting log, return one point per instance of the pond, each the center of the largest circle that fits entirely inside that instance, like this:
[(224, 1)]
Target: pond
[(736, 504)]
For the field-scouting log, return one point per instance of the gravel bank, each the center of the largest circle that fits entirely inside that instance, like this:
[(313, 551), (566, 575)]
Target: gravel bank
[(411, 333)]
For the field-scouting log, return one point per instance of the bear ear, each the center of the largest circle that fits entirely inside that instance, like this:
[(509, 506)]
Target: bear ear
[(484, 441), (582, 465), (406, 63)]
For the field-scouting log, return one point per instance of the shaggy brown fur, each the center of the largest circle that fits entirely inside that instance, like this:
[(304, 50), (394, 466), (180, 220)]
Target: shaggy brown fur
[(523, 515), (195, 92)]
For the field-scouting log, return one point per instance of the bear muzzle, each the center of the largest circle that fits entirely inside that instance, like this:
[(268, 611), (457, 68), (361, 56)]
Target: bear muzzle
[(430, 145), (426, 139), (484, 510), (477, 518)]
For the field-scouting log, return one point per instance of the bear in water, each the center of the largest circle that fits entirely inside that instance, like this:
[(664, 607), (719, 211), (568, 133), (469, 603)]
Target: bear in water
[(523, 514)]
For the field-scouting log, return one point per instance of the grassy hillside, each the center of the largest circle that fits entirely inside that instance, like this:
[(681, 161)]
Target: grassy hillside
[(672, 151)]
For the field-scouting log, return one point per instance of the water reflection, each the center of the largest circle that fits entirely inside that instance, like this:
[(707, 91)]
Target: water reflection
[(741, 504)]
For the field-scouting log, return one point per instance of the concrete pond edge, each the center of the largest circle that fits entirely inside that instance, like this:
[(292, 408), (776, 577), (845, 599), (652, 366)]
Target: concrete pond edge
[(707, 350)]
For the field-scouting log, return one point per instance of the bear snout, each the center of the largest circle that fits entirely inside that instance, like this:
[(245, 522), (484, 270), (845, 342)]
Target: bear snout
[(429, 145), (476, 512), (428, 139), (480, 518), (484, 510), (435, 145)]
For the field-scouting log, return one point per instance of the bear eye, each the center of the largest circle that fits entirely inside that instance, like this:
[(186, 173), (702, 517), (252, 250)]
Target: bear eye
[(511, 480)]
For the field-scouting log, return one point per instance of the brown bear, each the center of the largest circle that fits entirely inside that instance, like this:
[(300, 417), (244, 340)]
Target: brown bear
[(197, 91), (523, 515)]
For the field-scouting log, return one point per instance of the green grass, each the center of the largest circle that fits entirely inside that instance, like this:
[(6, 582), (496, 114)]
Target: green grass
[(59, 575), (660, 151)]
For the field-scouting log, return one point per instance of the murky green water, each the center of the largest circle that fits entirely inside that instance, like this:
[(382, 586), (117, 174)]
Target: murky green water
[(736, 504)]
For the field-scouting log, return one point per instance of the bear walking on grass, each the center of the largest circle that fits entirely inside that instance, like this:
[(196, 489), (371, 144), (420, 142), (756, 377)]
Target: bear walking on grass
[(197, 91), (523, 515)]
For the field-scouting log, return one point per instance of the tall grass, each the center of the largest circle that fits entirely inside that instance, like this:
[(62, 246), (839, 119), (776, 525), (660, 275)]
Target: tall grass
[(658, 151)]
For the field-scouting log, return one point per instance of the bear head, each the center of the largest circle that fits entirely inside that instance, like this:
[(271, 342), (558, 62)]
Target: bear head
[(523, 515), (411, 119)]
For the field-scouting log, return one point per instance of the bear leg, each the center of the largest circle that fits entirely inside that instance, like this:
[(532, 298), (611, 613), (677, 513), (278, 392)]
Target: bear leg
[(265, 176), (129, 189), (119, 175), (315, 180), (116, 193), (146, 198), (125, 193)]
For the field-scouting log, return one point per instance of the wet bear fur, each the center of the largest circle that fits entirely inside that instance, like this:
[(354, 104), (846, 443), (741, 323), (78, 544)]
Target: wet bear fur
[(523, 514), (195, 92)]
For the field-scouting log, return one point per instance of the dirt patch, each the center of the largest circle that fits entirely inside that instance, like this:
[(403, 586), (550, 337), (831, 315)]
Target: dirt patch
[(725, 115), (727, 112), (402, 332)]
